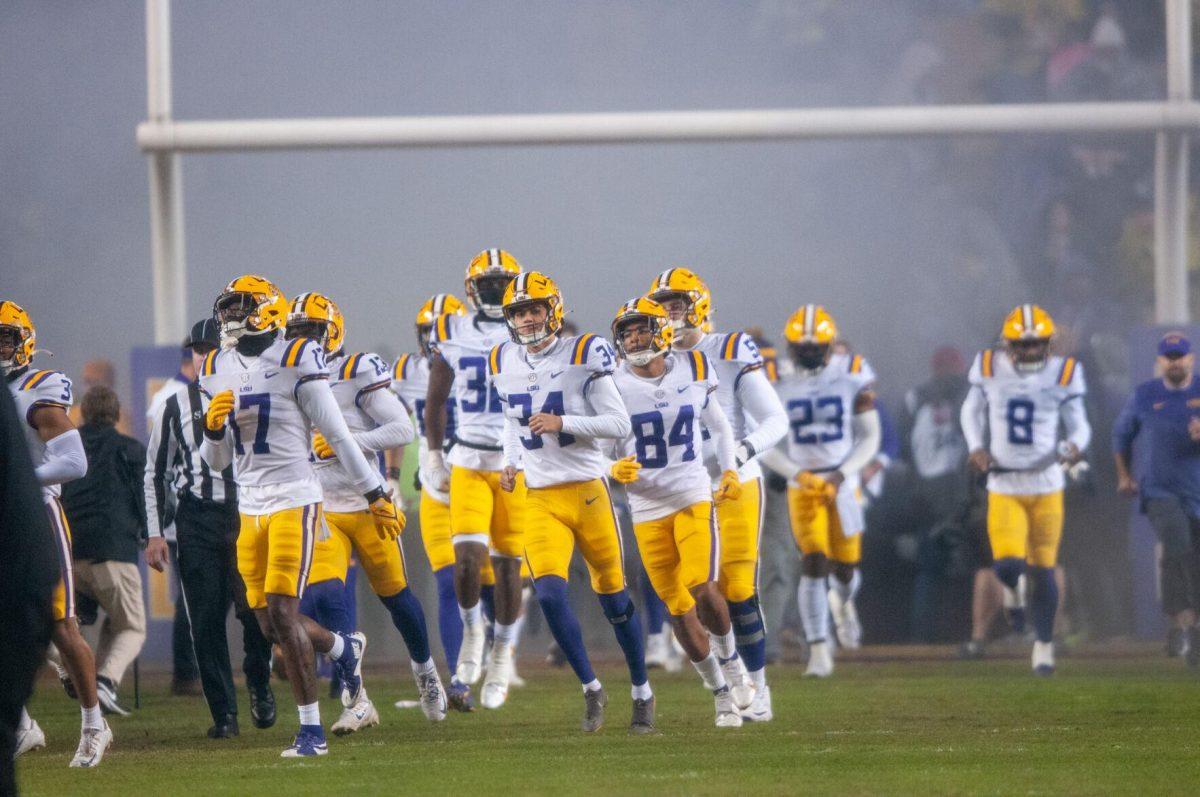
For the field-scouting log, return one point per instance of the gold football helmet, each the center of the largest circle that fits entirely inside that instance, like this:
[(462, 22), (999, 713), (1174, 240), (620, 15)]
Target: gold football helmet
[(1027, 333), (528, 289), (654, 315), (17, 333), (810, 333), (682, 283), (316, 316), (488, 274), (250, 305), (435, 307)]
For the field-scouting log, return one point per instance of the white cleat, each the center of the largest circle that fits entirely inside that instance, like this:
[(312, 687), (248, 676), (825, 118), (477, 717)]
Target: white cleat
[(92, 744), (741, 689), (358, 717), (727, 712), (30, 738), (495, 687), (820, 661), (845, 621), (470, 656), (660, 653), (514, 678), (760, 709), (433, 697), (1043, 658)]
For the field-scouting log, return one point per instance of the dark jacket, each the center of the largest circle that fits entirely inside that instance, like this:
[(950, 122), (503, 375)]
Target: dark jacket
[(107, 507)]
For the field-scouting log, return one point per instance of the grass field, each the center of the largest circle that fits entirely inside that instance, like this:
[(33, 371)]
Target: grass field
[(1119, 725)]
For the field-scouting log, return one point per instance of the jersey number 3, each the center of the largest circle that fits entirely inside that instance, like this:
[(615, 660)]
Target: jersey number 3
[(552, 406)]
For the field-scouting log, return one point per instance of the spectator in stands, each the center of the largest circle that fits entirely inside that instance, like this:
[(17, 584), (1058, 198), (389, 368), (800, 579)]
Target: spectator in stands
[(1165, 412), (107, 516)]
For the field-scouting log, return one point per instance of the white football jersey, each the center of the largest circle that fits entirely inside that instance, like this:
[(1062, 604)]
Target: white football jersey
[(410, 381), (667, 434), (731, 355), (820, 409), (272, 437), (1023, 415), (464, 342), (554, 381), (35, 389), (354, 376)]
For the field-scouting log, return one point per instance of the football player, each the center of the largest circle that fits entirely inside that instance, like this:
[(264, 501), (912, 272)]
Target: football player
[(560, 408), (835, 433), (668, 396), (483, 518), (758, 423), (267, 395), (378, 421), (1018, 397), (42, 399)]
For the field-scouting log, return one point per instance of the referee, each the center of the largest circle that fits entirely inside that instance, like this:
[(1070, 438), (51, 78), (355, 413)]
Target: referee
[(206, 523)]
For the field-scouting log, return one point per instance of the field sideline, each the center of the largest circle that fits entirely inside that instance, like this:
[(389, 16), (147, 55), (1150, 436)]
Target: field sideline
[(1119, 725)]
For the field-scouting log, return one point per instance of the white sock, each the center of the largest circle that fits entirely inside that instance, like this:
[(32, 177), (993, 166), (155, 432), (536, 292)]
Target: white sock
[(710, 672), (26, 721), (472, 616), (642, 692), (421, 667), (92, 718), (814, 608), (724, 645), (339, 647), (310, 714), (519, 624), (759, 678), (505, 635), (847, 591), (592, 685)]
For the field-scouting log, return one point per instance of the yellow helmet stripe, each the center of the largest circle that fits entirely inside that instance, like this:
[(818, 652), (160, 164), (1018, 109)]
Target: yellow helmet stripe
[(579, 357), (1068, 371), (494, 359), (985, 364), (35, 380)]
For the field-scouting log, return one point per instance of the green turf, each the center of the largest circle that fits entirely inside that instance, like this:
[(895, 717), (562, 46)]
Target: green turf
[(1099, 726)]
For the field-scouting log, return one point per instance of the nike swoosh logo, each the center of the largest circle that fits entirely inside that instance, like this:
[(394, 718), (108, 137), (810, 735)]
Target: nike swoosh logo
[(589, 501), (268, 376), (556, 374), (681, 389)]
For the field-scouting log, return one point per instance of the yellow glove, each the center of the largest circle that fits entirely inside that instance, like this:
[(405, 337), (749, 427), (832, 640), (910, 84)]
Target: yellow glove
[(730, 488), (626, 470), (322, 448), (821, 490), (218, 411), (388, 522)]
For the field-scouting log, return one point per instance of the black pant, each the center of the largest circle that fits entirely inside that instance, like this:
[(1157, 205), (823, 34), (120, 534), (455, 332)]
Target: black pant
[(1179, 532), (207, 535), (183, 658)]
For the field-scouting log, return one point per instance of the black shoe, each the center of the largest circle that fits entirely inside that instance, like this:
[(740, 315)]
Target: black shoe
[(226, 728), (106, 693), (262, 706)]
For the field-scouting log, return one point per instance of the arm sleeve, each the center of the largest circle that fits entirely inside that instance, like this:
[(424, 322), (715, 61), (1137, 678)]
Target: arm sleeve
[(611, 419), (137, 464), (318, 404), (1125, 430), (217, 452), (778, 461), (763, 404), (160, 454), (1075, 422), (395, 427), (973, 417), (868, 434), (722, 433), (65, 459), (510, 438)]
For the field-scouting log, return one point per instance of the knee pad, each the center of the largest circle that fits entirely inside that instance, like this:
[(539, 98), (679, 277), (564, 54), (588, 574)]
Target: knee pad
[(618, 608), (747, 619), (1009, 570)]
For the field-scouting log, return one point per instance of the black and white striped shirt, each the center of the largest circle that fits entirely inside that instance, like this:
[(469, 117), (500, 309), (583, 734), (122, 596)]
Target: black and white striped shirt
[(173, 461)]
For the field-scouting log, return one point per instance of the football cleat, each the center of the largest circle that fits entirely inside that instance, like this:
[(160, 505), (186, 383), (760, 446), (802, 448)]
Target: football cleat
[(681, 284), (106, 693), (262, 707), (727, 713), (1043, 658), (350, 667), (740, 687), (845, 621), (357, 717), (495, 686), (470, 655), (532, 288), (65, 679), (642, 721), (316, 316), (458, 696), (30, 738), (488, 274), (594, 701), (433, 696), (93, 742), (660, 653), (820, 661), (305, 745), (760, 709)]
